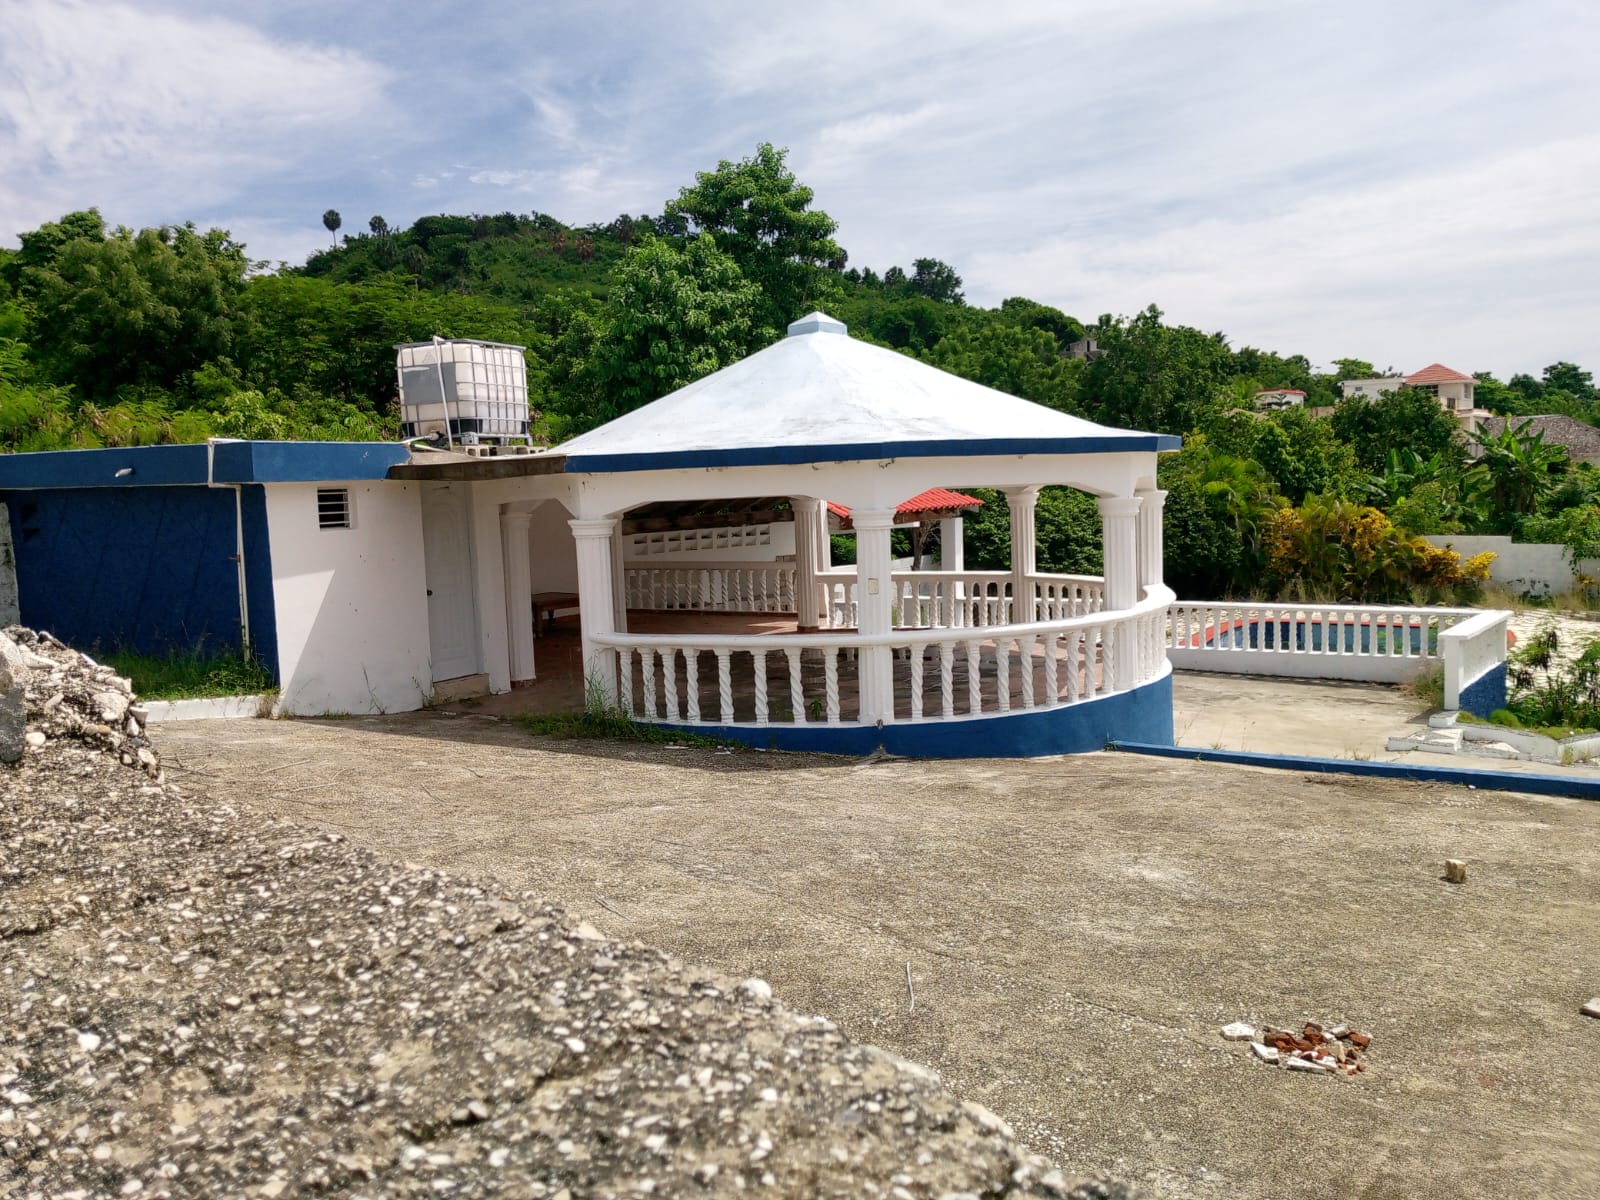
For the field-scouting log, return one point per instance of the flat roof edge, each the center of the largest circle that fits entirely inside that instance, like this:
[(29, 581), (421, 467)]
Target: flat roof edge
[(195, 463)]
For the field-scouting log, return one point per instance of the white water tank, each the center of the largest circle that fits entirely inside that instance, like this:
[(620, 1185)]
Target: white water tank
[(480, 388)]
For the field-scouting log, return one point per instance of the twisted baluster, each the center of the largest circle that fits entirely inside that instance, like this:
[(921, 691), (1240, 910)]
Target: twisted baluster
[(724, 687)]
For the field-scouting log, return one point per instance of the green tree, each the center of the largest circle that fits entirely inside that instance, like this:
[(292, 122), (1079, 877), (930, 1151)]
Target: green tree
[(1009, 358), (1066, 530), (136, 310), (310, 335), (1520, 471), (39, 247), (672, 317), (1154, 376), (937, 281), (761, 217), (1219, 507), (331, 220), (1018, 310), (1404, 418), (1570, 378)]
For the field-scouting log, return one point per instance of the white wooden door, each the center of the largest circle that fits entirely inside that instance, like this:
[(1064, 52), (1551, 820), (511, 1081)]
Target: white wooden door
[(452, 595)]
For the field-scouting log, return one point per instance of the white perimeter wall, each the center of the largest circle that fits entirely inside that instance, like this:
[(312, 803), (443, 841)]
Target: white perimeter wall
[(351, 603), (1536, 567)]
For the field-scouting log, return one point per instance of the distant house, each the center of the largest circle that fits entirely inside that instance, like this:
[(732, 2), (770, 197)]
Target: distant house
[(1371, 389), (1277, 399), (1083, 348), (1453, 390), (1581, 441)]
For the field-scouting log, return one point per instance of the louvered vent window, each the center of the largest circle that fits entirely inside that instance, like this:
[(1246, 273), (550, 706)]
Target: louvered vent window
[(333, 508)]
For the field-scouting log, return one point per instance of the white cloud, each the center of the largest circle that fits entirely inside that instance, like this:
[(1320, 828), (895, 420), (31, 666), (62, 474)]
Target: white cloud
[(1497, 253), (1250, 165), (127, 108)]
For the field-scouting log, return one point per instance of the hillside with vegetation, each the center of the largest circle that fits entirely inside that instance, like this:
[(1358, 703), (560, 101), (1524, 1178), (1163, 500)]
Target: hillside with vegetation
[(111, 336)]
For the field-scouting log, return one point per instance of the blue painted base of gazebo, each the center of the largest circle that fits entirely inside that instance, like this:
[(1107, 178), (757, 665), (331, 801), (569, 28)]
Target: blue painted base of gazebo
[(1143, 714)]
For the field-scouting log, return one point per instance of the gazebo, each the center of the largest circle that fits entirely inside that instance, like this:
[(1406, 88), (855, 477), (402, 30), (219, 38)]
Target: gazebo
[(942, 662)]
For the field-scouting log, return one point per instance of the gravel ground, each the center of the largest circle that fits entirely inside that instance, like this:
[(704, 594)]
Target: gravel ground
[(1575, 630), (1077, 930), (202, 1001)]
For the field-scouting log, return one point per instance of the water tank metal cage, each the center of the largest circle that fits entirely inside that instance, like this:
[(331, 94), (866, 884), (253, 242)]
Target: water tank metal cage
[(479, 388)]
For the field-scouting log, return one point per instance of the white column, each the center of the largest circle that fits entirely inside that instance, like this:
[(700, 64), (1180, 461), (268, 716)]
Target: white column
[(1024, 552), (952, 547), (519, 590), (874, 607), (619, 586), (1150, 541), (596, 609), (1119, 517), (805, 562)]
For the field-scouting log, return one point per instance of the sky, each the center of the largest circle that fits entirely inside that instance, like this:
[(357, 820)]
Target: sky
[(1403, 182)]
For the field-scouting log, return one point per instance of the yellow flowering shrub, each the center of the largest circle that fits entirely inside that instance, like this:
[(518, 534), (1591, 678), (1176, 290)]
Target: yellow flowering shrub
[(1336, 550)]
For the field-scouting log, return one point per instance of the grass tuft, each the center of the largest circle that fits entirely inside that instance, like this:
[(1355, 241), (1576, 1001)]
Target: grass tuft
[(189, 675), (1427, 687), (607, 724)]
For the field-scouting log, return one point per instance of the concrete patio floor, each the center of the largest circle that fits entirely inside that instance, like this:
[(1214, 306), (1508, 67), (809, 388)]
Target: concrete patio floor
[(1325, 719), (1076, 930)]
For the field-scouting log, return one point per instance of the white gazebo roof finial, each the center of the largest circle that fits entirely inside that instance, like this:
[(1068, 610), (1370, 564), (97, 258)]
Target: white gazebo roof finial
[(817, 322)]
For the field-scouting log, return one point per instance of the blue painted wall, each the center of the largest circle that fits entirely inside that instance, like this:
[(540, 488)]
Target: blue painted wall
[(1485, 693), (1473, 777), (262, 606), (149, 569), (1142, 715)]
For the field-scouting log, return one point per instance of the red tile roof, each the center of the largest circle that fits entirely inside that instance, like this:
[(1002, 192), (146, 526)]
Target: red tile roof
[(1438, 373), (928, 501)]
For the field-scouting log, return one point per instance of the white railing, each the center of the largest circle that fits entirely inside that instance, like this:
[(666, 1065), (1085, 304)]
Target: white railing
[(1059, 596), (1471, 649), (740, 587), (963, 599), (1309, 641), (940, 673)]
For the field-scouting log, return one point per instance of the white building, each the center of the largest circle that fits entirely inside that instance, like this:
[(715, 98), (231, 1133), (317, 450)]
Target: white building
[(1454, 391), (691, 537)]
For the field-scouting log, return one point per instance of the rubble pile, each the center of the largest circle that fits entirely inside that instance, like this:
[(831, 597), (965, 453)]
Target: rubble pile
[(1338, 1050), (197, 1001), (71, 698)]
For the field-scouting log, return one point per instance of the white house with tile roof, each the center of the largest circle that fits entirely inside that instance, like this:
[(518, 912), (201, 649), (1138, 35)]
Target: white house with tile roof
[(1454, 391)]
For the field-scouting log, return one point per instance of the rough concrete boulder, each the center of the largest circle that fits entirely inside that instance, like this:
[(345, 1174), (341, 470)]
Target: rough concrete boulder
[(13, 701)]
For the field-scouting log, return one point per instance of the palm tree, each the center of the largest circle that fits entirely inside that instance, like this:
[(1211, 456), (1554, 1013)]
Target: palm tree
[(1520, 470), (331, 220)]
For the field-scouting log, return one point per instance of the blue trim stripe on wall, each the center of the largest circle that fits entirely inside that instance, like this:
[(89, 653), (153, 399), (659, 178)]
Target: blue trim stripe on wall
[(782, 456), (235, 462), (1145, 713), (1502, 781)]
